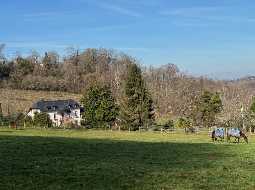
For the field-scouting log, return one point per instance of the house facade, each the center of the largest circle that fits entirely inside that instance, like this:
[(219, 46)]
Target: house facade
[(60, 111)]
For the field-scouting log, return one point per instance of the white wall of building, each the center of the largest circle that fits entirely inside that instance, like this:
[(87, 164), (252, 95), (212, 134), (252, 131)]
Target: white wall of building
[(57, 118), (32, 112)]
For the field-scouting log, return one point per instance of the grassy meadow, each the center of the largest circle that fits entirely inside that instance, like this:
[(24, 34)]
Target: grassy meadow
[(73, 159), (21, 100)]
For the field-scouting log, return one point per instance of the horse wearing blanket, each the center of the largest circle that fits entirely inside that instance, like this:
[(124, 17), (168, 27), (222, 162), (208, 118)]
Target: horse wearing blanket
[(218, 133), (237, 134)]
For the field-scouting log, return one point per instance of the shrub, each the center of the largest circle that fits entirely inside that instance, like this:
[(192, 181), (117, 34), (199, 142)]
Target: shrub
[(183, 123), (4, 121), (28, 121), (169, 124), (42, 120)]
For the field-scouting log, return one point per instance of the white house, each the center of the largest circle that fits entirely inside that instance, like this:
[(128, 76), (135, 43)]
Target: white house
[(60, 111)]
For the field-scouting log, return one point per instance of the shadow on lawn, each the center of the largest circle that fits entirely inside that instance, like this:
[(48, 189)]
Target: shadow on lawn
[(6, 132), (68, 163)]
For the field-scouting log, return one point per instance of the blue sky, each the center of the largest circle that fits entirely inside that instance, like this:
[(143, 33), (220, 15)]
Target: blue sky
[(203, 37)]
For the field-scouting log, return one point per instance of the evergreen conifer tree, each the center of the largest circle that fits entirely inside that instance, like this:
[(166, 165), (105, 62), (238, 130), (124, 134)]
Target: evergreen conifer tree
[(137, 106), (100, 107), (209, 105)]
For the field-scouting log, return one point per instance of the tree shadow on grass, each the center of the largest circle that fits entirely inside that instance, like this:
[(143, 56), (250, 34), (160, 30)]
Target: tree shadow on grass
[(6, 132), (69, 163)]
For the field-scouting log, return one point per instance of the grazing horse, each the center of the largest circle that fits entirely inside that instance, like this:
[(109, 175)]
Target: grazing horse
[(218, 133), (237, 134)]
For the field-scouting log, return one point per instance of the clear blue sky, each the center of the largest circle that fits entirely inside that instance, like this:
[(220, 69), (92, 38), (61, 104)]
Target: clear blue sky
[(209, 37)]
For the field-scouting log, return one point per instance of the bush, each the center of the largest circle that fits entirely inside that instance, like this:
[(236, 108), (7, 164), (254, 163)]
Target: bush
[(70, 125), (183, 123), (4, 121), (28, 121), (13, 120), (169, 124), (19, 119), (42, 120)]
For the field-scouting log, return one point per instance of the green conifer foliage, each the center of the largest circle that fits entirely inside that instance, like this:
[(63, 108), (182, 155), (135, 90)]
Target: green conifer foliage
[(100, 107), (137, 107)]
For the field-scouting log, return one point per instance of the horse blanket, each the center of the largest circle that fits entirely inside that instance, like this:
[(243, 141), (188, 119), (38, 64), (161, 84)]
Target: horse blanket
[(235, 132), (219, 132)]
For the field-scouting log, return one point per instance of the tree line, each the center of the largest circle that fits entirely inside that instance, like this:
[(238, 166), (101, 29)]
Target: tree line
[(134, 110), (166, 91)]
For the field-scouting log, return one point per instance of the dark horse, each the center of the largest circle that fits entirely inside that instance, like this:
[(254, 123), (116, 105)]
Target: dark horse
[(237, 135), (217, 133)]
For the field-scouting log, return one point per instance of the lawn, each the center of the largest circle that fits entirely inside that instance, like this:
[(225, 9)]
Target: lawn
[(71, 159)]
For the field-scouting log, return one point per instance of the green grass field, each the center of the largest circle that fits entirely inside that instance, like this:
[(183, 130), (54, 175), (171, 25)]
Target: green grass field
[(58, 159)]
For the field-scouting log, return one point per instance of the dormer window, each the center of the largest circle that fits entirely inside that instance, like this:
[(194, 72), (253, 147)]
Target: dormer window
[(55, 107)]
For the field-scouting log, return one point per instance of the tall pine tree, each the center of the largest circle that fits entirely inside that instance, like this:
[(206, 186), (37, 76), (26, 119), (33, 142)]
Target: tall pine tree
[(137, 106)]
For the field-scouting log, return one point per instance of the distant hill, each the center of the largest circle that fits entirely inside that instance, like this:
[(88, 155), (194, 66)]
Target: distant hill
[(248, 78)]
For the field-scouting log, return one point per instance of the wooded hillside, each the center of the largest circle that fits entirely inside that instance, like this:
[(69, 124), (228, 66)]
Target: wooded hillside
[(173, 91)]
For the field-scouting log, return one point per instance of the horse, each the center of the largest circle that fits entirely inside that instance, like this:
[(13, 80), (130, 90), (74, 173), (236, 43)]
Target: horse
[(218, 133), (237, 134)]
